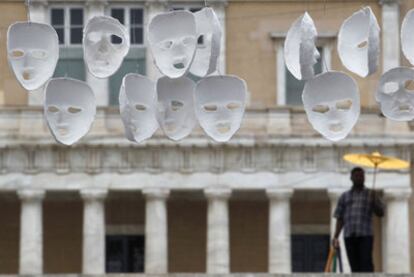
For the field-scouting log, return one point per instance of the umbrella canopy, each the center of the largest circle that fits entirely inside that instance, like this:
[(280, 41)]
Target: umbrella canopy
[(376, 160)]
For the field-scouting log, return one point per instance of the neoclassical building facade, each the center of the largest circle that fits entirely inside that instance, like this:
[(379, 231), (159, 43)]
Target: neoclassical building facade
[(262, 202)]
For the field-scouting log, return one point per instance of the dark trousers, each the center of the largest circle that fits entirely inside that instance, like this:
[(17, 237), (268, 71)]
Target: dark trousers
[(359, 251)]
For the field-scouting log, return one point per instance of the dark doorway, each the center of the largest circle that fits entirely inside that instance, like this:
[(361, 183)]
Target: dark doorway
[(124, 253), (309, 252)]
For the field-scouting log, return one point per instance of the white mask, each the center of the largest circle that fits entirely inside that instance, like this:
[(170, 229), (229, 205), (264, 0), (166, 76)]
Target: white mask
[(359, 44), (176, 107), (103, 56), (33, 52), (219, 105), (407, 38), (137, 101), (332, 104), (397, 101), (173, 40), (69, 109), (208, 27), (300, 52)]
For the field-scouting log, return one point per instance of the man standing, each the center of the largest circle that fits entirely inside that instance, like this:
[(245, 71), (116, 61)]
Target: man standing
[(354, 214)]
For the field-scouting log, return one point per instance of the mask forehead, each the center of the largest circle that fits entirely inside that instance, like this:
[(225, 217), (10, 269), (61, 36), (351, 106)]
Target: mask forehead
[(176, 108), (69, 109), (103, 57), (407, 39), (139, 88), (300, 52), (206, 57), (332, 104), (358, 42), (173, 51), (33, 52)]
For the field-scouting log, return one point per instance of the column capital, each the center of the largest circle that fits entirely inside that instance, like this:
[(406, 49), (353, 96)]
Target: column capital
[(31, 194), (93, 194), (217, 193), (156, 2), (156, 193), (397, 193), (279, 193), (96, 3)]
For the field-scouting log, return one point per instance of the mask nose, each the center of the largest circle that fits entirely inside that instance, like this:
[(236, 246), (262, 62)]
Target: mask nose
[(104, 46)]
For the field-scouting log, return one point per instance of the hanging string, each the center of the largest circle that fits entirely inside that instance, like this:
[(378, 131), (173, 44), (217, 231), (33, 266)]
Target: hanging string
[(27, 2)]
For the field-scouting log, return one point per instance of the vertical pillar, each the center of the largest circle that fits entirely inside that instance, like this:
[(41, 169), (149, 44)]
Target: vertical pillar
[(218, 254), (93, 261), (396, 241), (31, 231), (156, 231), (390, 34), (334, 195), (279, 231)]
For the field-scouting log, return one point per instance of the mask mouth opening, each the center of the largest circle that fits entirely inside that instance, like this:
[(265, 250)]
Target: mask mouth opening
[(134, 128), (336, 127), (223, 127), (179, 65), (28, 74), (63, 130), (170, 126)]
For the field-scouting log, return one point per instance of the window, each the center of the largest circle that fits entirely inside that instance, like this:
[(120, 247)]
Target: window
[(68, 23), (294, 87), (124, 253), (133, 19)]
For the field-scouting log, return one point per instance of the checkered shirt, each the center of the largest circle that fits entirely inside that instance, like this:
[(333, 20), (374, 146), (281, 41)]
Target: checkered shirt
[(355, 209)]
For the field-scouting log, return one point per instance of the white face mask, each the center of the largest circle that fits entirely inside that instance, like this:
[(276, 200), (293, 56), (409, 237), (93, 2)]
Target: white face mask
[(105, 44), (332, 104), (173, 39), (219, 105), (300, 52), (407, 38), (175, 107), (359, 44), (209, 30), (33, 52), (395, 94), (69, 109), (137, 101)]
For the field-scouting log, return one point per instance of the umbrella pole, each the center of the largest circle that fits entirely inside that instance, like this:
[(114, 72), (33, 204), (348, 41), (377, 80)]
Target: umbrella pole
[(375, 177)]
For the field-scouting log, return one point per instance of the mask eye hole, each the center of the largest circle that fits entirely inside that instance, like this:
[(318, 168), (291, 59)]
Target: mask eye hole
[(188, 40), (116, 39), (94, 37), (17, 53), (363, 44), (140, 107), (39, 54), (166, 44), (210, 108), (233, 106), (176, 105), (391, 87), (409, 85), (320, 109), (200, 40), (74, 110), (52, 109), (344, 105)]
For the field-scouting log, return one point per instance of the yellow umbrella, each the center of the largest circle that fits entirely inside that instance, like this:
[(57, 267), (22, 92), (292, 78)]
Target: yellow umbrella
[(377, 161)]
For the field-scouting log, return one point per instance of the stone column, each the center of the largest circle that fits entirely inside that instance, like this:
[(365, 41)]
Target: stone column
[(218, 255), (31, 231), (93, 261), (279, 231), (334, 195), (156, 231), (390, 34), (396, 241), (153, 7)]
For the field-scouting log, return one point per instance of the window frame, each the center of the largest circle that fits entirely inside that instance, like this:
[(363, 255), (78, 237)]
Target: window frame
[(66, 21), (127, 18)]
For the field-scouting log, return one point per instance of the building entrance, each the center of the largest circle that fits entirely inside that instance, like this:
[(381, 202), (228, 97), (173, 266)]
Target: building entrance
[(309, 252)]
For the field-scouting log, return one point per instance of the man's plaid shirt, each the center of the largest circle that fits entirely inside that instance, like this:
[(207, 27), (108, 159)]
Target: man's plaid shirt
[(355, 208)]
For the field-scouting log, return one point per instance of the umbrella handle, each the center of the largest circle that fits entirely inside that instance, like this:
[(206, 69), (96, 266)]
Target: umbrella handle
[(375, 177)]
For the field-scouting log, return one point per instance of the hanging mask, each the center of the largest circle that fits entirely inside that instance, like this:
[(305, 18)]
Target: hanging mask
[(105, 44), (300, 52), (219, 105), (33, 52), (175, 106), (407, 38), (208, 50), (395, 94), (137, 101), (172, 38), (359, 44), (332, 104), (69, 109)]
